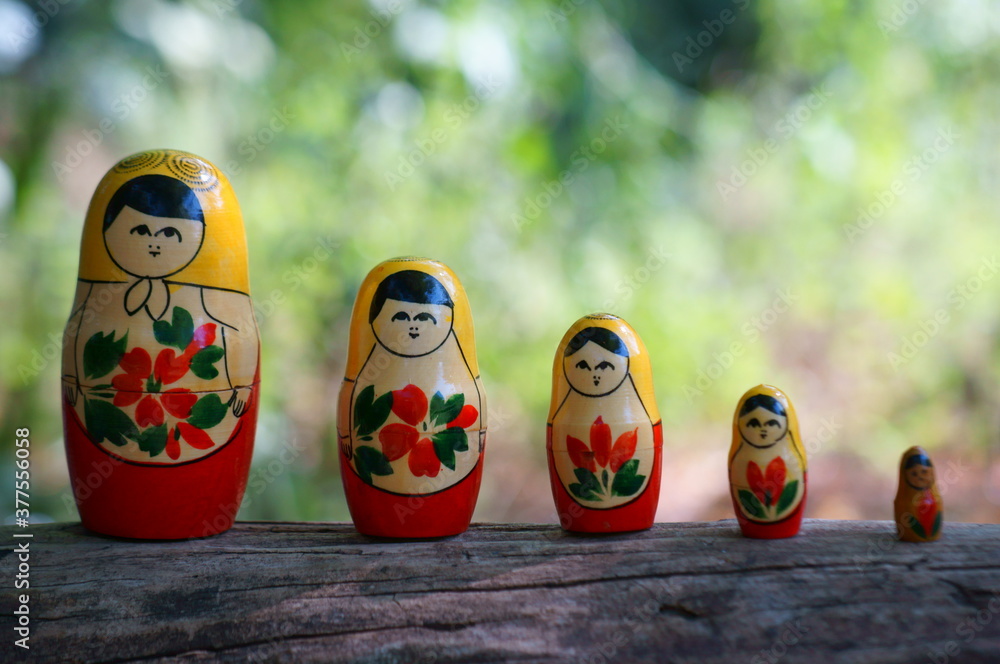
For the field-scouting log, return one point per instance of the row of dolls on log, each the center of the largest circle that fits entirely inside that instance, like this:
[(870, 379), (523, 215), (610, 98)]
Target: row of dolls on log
[(161, 390)]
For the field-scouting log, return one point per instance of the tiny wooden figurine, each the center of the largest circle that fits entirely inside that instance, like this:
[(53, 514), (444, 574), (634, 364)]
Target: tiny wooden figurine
[(411, 415), (604, 437), (160, 353), (767, 465), (918, 507)]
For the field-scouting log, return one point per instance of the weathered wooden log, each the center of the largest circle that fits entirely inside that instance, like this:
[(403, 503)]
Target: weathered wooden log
[(690, 592)]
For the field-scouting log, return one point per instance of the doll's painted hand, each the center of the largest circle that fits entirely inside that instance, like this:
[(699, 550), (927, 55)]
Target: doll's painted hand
[(71, 391), (240, 400)]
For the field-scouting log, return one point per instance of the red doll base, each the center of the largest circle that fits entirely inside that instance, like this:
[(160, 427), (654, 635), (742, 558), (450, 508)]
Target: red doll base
[(163, 502), (636, 515), (378, 513), (787, 527)]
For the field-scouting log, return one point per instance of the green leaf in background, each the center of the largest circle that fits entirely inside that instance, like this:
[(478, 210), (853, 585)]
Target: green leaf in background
[(153, 440), (371, 413), (442, 411), (370, 461), (588, 487), (751, 504), (177, 333), (202, 362), (104, 420), (627, 482), (787, 496), (102, 353), (207, 412)]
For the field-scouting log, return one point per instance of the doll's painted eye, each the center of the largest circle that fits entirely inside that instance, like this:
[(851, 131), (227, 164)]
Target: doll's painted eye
[(169, 231), (772, 423), (401, 315), (754, 422), (141, 229), (582, 364), (424, 316), (605, 365)]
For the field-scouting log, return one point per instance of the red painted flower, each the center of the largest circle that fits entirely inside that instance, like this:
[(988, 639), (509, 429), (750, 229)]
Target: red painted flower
[(601, 452), (423, 459), (142, 382), (926, 509), (399, 439), (767, 486)]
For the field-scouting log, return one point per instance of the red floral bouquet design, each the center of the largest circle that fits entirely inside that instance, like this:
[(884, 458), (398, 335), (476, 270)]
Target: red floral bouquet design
[(768, 496), (926, 518), (142, 383), (618, 470), (430, 432)]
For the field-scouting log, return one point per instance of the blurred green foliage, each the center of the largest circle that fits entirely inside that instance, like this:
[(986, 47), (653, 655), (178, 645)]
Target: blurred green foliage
[(811, 181)]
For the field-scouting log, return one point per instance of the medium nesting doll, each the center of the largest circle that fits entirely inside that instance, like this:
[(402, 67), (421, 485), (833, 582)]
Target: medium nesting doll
[(160, 354), (767, 465), (604, 436), (918, 507), (412, 412)]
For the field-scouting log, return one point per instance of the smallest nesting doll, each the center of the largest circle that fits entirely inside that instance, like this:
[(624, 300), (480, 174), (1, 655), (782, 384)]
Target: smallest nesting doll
[(918, 507), (767, 465), (604, 435)]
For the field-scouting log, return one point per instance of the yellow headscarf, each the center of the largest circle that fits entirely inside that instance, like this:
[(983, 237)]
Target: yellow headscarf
[(793, 421), (222, 260), (362, 337), (638, 362)]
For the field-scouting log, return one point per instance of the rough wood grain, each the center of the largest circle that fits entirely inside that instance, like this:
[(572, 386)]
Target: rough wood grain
[(690, 592)]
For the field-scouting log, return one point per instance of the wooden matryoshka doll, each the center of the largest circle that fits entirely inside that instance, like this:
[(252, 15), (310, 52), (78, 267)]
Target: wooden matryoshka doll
[(767, 465), (160, 354), (604, 434), (918, 507), (411, 418)]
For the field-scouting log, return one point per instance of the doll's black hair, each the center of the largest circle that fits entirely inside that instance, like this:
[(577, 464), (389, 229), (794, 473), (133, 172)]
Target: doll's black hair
[(601, 336), (157, 196), (409, 286), (918, 460), (764, 401)]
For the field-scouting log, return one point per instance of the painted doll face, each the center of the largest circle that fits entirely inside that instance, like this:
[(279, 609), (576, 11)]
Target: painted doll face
[(148, 246), (594, 371), (920, 477), (410, 329), (762, 428)]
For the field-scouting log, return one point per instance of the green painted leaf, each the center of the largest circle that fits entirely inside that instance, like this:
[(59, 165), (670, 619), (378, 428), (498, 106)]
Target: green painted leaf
[(153, 440), (917, 528), (371, 413), (106, 421), (207, 412), (787, 496), (442, 411), (202, 362), (449, 441), (604, 478), (102, 353), (750, 504), (588, 487), (937, 524), (177, 333), (627, 481), (370, 461)]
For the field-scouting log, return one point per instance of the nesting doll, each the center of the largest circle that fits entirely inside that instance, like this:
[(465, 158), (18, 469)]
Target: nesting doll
[(160, 354), (767, 465), (412, 413), (604, 437), (918, 507)]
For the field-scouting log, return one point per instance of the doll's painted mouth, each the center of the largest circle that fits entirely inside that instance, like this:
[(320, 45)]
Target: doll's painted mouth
[(414, 335), (154, 253)]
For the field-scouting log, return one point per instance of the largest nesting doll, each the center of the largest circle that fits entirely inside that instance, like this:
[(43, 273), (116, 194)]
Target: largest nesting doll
[(412, 413), (767, 465), (604, 435), (160, 354)]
